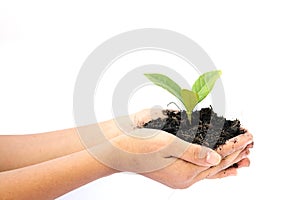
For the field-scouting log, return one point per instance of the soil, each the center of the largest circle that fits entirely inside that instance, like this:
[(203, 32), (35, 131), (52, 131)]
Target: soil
[(206, 127)]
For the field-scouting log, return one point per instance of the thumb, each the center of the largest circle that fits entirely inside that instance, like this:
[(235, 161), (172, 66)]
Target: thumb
[(146, 115), (197, 154), (172, 146)]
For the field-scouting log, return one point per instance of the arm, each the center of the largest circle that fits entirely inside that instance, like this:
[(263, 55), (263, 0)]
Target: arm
[(31, 149), (36, 148), (53, 178), (59, 175)]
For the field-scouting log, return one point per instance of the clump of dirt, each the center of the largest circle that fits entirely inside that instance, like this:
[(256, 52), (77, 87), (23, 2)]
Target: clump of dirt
[(206, 127)]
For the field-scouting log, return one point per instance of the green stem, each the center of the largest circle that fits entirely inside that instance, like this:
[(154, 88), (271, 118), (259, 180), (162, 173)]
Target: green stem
[(189, 115), (174, 104)]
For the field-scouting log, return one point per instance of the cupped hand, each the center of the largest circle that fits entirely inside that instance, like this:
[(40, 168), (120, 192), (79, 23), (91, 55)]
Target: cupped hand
[(182, 173), (148, 150), (167, 159), (173, 162)]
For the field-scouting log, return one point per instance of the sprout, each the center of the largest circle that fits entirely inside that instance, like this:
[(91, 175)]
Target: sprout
[(190, 98)]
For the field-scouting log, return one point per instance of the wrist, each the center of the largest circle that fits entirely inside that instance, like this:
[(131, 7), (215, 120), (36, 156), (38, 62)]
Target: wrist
[(109, 129)]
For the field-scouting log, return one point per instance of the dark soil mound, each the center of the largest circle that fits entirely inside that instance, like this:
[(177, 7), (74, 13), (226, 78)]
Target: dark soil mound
[(206, 127)]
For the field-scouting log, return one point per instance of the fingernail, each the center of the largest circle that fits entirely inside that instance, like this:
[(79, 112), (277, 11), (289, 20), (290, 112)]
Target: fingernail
[(213, 158), (250, 145), (247, 152)]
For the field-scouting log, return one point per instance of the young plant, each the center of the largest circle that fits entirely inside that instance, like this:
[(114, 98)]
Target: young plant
[(190, 98)]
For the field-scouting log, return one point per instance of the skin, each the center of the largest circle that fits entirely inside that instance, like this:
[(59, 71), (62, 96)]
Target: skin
[(55, 163)]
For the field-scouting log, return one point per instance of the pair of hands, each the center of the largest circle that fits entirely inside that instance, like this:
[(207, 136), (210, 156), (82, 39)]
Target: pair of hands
[(62, 157), (169, 160)]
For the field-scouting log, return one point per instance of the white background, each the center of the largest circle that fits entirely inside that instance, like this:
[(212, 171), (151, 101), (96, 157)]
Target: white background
[(255, 43)]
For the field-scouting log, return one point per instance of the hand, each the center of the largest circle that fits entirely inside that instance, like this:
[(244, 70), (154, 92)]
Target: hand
[(126, 124), (182, 173), (162, 156), (174, 162), (152, 153), (235, 151)]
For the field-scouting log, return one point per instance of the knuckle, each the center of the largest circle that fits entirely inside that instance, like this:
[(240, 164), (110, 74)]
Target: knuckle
[(195, 152), (200, 152)]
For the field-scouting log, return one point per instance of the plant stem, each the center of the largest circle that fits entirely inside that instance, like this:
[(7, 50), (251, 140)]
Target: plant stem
[(189, 115), (174, 104)]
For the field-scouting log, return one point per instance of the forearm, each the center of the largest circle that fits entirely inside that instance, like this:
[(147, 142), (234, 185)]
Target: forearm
[(53, 178), (23, 150)]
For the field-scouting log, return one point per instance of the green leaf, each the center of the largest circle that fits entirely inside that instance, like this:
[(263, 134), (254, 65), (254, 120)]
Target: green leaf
[(205, 83), (190, 99), (166, 83)]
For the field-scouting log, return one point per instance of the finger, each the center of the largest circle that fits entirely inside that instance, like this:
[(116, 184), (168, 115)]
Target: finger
[(244, 154), (202, 156), (193, 153), (228, 161), (234, 144), (245, 162), (233, 161), (225, 163), (224, 173), (146, 115), (231, 171), (251, 145)]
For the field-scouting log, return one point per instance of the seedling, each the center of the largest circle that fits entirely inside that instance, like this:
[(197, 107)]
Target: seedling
[(190, 98)]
